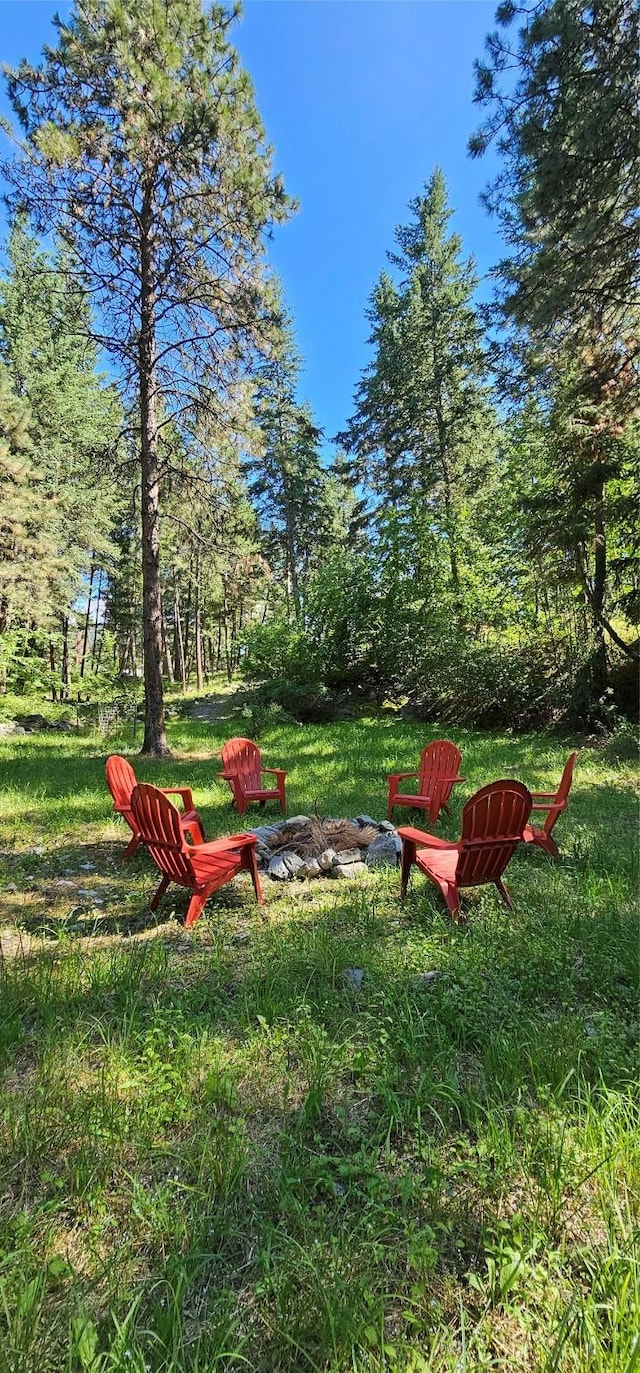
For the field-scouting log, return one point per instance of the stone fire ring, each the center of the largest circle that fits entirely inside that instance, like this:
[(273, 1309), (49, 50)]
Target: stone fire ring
[(306, 846)]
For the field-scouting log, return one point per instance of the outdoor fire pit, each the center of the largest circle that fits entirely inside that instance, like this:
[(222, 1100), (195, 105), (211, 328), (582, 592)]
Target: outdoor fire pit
[(306, 846)]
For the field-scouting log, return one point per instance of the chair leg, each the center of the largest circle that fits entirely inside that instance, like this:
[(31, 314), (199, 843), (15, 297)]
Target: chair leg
[(504, 893), (155, 902), (251, 864), (134, 843), (196, 906), (549, 845), (452, 898), (408, 855)]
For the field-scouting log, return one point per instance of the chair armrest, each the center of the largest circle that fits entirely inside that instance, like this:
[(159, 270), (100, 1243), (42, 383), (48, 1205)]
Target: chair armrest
[(549, 806), (229, 841), (543, 793), (184, 792), (423, 840), (399, 776), (450, 779), (278, 772), (414, 836)]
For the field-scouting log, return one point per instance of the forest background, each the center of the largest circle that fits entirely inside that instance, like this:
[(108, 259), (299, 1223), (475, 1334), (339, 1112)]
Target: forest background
[(168, 510)]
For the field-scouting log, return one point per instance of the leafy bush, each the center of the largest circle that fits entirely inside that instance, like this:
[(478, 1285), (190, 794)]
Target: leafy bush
[(624, 744), (306, 702), (279, 650), (486, 684)]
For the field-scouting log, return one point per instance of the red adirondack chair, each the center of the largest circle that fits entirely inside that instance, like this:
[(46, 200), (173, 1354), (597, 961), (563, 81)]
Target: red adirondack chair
[(242, 769), (121, 780), (493, 823), (554, 802), (437, 776), (201, 868)]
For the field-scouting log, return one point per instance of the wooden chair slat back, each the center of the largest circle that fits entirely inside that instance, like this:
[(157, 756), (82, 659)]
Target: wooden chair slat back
[(562, 792), (243, 757), (439, 759), (159, 824), (492, 824), (121, 780)]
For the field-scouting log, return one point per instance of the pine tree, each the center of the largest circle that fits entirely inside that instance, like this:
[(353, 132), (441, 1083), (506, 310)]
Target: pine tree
[(422, 412), (567, 196), (30, 563), (288, 483), (75, 420), (143, 149)]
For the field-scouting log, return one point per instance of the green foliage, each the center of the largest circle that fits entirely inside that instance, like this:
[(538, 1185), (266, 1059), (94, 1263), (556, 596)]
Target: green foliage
[(567, 193)]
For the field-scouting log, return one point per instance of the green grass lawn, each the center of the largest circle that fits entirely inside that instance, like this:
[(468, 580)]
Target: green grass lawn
[(216, 1154)]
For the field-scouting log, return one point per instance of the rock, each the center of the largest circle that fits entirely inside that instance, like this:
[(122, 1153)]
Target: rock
[(363, 820), (346, 856), (328, 860), (383, 852), (265, 834), (88, 867), (424, 980), (387, 827), (293, 861), (295, 822), (242, 937), (348, 870), (353, 977), (10, 727), (312, 868), (278, 869), (33, 722)]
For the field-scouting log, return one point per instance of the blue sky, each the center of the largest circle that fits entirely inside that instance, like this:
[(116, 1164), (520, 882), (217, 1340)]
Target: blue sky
[(360, 100)]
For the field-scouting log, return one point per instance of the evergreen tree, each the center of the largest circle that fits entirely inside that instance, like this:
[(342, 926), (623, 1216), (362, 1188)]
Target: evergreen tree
[(288, 483), (30, 563), (422, 414), (143, 149), (567, 196), (75, 419)]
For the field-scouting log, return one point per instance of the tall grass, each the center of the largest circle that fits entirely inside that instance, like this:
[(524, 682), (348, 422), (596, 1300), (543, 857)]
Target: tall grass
[(217, 1153)]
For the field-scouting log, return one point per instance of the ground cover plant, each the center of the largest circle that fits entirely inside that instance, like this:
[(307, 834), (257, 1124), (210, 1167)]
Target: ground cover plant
[(219, 1151)]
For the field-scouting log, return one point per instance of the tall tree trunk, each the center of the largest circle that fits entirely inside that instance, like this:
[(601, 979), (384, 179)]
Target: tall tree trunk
[(95, 655), (599, 587), (187, 635), (87, 621), (227, 654), (66, 679), (52, 667), (165, 645), (178, 655), (198, 630), (155, 739)]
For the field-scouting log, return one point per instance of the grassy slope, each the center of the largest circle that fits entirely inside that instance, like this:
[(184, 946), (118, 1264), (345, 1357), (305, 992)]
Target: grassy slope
[(217, 1154)]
